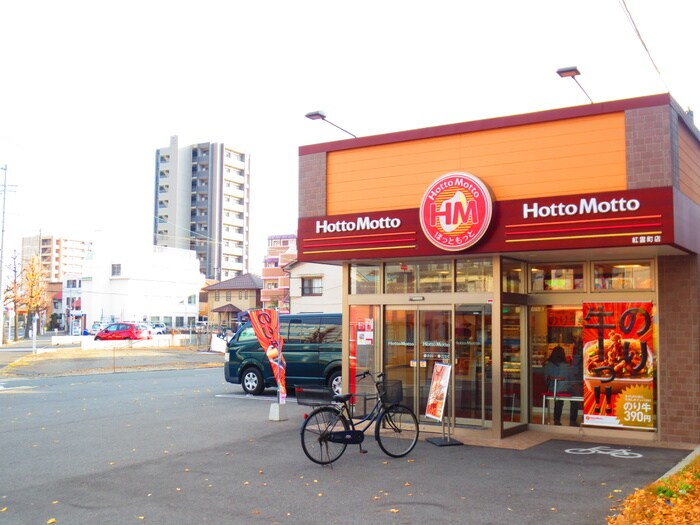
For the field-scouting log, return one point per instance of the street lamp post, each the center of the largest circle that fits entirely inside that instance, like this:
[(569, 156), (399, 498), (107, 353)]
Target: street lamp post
[(320, 115), (572, 72)]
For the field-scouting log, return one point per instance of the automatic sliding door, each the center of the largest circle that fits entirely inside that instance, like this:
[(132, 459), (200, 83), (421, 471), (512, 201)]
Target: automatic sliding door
[(414, 340), (473, 377), (400, 350), (434, 346)]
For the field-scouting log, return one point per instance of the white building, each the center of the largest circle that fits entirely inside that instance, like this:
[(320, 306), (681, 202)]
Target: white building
[(123, 282), (202, 195), (314, 287)]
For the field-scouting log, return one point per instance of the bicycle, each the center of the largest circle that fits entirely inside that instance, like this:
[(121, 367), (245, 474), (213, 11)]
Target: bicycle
[(330, 427)]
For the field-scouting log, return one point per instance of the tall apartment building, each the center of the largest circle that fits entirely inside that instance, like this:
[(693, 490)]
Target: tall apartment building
[(60, 258), (281, 250), (202, 195)]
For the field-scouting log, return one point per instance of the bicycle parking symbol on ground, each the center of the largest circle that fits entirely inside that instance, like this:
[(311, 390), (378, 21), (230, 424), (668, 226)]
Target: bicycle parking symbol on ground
[(613, 452)]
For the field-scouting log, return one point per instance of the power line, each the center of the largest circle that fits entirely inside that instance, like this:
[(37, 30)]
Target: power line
[(627, 12)]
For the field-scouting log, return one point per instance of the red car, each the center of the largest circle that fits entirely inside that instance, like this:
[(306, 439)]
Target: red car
[(124, 331)]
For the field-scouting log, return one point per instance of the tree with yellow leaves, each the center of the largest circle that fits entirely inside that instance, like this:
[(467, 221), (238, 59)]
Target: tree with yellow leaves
[(34, 291)]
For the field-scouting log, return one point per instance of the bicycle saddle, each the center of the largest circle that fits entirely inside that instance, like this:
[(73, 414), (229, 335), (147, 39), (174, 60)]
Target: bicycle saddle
[(342, 398)]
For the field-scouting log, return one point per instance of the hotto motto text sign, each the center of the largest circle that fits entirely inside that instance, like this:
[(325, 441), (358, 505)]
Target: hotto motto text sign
[(455, 211)]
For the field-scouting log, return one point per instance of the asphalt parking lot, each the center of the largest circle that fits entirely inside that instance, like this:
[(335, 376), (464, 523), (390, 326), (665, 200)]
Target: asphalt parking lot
[(558, 481)]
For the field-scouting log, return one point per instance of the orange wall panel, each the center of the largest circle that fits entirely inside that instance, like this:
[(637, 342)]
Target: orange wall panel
[(573, 156)]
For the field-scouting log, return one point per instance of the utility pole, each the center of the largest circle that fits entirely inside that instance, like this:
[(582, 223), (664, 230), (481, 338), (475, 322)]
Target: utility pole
[(2, 256)]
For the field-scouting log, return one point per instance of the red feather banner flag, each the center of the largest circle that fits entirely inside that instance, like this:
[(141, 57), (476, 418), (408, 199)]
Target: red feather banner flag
[(267, 329)]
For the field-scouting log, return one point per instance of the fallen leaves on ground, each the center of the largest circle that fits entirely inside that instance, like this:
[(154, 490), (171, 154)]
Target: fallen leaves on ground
[(670, 501)]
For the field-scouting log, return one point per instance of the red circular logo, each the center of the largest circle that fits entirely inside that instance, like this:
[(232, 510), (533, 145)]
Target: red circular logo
[(456, 211)]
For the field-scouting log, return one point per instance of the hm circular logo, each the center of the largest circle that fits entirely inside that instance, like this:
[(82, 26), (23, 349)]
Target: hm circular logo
[(455, 211)]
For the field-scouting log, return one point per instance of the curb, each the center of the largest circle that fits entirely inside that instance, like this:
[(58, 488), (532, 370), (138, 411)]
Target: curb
[(682, 464)]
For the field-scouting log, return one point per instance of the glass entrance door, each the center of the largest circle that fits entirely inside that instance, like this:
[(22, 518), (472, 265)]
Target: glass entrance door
[(434, 346), (400, 351), (414, 340), (472, 369), (417, 338)]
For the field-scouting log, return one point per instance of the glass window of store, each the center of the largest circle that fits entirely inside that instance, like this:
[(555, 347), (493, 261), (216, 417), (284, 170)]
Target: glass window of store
[(622, 276), (556, 277), (400, 277), (512, 276), (434, 277), (363, 352), (365, 279), (555, 334), (512, 368), (474, 275)]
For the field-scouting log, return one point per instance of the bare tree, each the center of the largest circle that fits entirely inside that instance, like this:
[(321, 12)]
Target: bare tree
[(13, 291)]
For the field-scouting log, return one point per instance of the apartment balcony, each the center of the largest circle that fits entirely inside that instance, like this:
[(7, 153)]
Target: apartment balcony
[(274, 294), (233, 251), (272, 273)]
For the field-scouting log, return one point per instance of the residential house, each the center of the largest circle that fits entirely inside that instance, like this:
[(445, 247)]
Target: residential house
[(229, 300), (314, 287)]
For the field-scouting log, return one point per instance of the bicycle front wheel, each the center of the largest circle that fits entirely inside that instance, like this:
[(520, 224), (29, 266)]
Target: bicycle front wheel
[(315, 433), (397, 431)]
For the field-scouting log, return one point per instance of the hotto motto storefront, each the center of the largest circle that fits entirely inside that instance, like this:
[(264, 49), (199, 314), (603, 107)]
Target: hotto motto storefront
[(550, 259)]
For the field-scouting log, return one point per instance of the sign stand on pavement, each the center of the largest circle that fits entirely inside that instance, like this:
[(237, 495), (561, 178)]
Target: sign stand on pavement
[(436, 404)]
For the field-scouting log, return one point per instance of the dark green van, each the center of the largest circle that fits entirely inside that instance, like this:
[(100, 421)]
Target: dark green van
[(312, 350)]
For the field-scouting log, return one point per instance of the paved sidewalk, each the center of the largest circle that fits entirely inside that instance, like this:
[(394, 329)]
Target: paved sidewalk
[(74, 361)]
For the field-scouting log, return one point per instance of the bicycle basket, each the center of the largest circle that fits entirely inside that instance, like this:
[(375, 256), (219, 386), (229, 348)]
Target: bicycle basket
[(390, 391), (313, 395)]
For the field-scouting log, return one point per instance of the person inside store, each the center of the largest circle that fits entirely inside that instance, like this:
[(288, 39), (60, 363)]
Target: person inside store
[(557, 369)]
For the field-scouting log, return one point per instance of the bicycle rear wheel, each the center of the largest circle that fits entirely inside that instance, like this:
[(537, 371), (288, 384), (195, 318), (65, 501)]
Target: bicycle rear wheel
[(397, 431), (315, 433)]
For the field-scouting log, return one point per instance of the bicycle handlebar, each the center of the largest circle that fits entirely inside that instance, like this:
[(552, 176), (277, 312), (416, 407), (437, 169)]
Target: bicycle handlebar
[(375, 377)]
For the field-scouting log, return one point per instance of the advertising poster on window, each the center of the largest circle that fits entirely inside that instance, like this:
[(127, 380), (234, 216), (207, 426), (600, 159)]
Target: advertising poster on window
[(267, 329), (618, 364), (438, 392), (362, 349)]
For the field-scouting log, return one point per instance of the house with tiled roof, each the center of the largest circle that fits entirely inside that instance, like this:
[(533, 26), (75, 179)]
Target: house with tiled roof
[(229, 299)]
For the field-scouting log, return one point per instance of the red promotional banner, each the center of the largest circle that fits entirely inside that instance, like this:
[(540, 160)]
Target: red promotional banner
[(618, 364), (266, 326)]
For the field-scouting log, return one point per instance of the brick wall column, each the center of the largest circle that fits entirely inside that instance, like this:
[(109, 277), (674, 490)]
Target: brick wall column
[(678, 370), (312, 185), (651, 147)]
